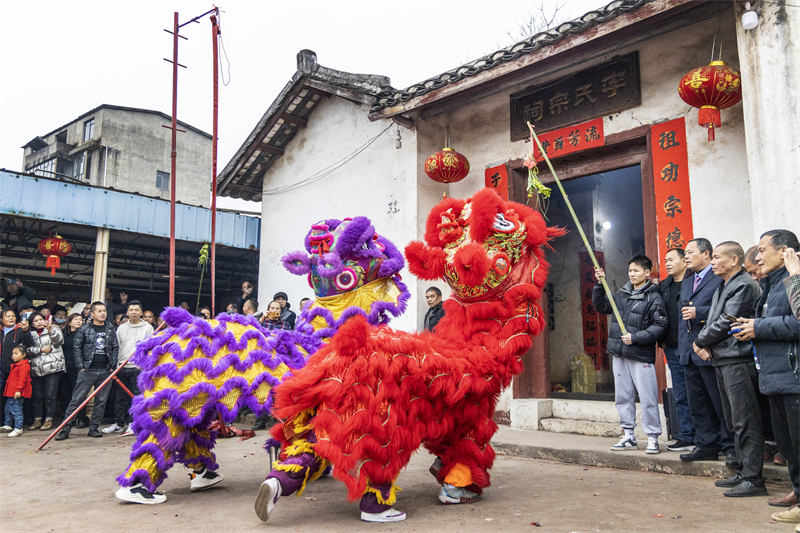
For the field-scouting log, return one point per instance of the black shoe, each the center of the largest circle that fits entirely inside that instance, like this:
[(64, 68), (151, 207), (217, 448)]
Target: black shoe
[(729, 482), (744, 489), (94, 432), (699, 454), (730, 460), (680, 446), (63, 434)]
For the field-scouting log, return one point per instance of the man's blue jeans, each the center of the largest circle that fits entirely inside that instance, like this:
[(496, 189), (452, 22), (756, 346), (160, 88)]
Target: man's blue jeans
[(686, 432)]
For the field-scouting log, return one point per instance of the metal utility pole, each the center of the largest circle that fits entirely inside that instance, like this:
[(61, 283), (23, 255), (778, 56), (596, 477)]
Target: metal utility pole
[(215, 31), (174, 151)]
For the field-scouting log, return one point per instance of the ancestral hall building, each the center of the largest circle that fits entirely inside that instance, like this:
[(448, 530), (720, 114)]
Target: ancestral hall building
[(602, 90)]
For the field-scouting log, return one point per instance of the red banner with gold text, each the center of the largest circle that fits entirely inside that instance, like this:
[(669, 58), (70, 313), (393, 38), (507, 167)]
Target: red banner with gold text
[(595, 325), (572, 139), (671, 178), (497, 179)]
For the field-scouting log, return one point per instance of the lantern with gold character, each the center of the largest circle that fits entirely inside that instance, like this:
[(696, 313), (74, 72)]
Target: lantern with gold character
[(447, 166), (711, 88), (54, 248)]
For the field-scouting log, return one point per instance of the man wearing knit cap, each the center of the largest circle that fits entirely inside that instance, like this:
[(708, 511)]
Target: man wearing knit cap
[(287, 315)]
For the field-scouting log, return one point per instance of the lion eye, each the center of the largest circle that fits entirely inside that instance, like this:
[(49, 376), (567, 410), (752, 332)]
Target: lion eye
[(501, 224)]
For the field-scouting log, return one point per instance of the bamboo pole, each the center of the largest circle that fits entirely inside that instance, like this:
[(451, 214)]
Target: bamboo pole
[(580, 229)]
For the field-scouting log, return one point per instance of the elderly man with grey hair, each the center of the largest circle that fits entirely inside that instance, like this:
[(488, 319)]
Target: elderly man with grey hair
[(775, 333), (737, 377)]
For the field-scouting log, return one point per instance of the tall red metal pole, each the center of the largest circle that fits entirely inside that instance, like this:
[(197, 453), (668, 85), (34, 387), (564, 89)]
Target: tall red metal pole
[(214, 37), (173, 155)]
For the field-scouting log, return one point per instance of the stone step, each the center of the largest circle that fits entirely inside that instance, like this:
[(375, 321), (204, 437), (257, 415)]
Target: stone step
[(596, 451), (580, 427)]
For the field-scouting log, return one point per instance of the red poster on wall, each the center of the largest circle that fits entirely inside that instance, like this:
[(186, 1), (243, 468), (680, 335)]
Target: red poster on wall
[(671, 178), (497, 179), (572, 139), (595, 325)]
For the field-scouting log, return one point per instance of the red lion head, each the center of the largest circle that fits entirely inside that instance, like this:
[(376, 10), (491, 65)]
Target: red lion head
[(482, 247)]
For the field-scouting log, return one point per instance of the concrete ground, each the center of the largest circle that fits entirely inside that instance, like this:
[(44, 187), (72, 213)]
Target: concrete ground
[(69, 486)]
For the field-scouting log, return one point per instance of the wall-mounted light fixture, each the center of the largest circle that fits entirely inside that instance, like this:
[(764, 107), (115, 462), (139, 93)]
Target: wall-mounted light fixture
[(749, 18)]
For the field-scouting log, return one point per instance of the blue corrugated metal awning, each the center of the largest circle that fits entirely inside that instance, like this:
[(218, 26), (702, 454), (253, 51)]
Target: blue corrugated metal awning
[(71, 203)]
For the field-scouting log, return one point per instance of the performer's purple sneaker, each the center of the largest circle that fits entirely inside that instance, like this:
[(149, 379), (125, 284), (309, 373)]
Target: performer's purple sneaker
[(389, 515)]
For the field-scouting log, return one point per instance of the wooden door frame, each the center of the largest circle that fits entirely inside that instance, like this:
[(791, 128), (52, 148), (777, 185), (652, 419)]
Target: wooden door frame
[(620, 150)]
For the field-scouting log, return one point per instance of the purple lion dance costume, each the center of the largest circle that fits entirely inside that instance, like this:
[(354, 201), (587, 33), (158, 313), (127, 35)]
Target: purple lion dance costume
[(196, 370)]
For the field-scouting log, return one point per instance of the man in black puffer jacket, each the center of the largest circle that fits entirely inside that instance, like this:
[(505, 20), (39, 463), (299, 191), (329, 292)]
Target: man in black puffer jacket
[(95, 352), (645, 317), (775, 333)]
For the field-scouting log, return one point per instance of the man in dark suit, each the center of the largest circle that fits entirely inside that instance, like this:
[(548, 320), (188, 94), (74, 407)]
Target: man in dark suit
[(697, 291)]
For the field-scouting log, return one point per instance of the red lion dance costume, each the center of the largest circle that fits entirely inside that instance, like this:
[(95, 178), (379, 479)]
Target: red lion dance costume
[(369, 399)]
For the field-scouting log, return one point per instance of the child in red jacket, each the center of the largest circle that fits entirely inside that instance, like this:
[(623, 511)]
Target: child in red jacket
[(18, 387)]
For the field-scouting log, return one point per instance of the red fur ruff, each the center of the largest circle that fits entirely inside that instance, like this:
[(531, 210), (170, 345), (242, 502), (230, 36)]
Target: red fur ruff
[(379, 394)]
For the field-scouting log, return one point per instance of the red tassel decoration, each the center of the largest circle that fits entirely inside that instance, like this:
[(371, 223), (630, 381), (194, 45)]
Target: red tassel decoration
[(53, 262), (709, 116)]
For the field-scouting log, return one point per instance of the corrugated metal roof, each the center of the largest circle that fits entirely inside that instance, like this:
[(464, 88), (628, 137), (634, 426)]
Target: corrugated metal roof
[(36, 197)]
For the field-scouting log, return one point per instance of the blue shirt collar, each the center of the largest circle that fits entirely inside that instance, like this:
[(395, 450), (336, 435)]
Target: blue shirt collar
[(703, 272)]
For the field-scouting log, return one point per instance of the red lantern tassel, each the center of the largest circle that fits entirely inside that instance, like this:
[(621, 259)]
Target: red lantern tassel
[(53, 262), (709, 117)]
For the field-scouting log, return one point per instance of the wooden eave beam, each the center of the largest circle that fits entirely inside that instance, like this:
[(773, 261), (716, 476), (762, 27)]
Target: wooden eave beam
[(294, 120), (647, 11), (263, 147)]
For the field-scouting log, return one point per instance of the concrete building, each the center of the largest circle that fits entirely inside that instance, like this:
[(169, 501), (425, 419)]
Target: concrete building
[(611, 76), (125, 149)]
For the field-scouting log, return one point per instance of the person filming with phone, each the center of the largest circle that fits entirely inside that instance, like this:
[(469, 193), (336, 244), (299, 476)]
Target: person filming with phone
[(735, 369)]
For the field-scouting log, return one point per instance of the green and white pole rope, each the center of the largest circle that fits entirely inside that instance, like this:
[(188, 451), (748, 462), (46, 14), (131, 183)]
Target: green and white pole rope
[(580, 229)]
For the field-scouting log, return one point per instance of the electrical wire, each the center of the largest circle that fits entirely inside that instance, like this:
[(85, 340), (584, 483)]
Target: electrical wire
[(222, 46), (327, 171)]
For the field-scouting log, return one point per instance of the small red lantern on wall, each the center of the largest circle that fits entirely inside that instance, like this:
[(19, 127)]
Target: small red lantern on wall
[(711, 88), (447, 166), (54, 248)]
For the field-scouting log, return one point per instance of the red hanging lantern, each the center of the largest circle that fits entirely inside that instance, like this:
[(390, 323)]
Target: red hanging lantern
[(447, 166), (54, 248), (711, 88)]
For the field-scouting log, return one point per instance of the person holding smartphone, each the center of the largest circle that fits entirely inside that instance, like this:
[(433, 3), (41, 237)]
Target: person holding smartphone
[(47, 366), (775, 333), (735, 368), (18, 296)]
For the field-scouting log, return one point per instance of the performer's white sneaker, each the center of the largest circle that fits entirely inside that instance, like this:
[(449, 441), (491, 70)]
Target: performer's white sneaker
[(389, 515), (203, 480), (139, 494), (451, 494), (268, 495)]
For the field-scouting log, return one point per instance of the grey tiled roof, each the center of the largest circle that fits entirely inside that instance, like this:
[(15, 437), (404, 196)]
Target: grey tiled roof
[(390, 97)]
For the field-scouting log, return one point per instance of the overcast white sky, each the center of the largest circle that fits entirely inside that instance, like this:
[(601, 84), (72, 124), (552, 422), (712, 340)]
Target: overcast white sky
[(59, 59)]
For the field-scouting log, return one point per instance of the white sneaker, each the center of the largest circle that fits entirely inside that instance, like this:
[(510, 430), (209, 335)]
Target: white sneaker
[(15, 433), (203, 480), (139, 494), (113, 428), (268, 494), (453, 494), (389, 515), (625, 443), (128, 432), (6, 429), (652, 446)]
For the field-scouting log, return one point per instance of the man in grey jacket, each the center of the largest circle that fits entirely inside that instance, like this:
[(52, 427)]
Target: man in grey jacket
[(737, 377)]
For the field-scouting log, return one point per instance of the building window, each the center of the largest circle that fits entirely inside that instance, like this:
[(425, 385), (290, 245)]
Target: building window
[(46, 169), (88, 130), (61, 137), (162, 180), (82, 165)]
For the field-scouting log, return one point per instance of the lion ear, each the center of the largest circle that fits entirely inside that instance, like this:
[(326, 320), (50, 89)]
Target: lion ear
[(435, 218), (424, 261)]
